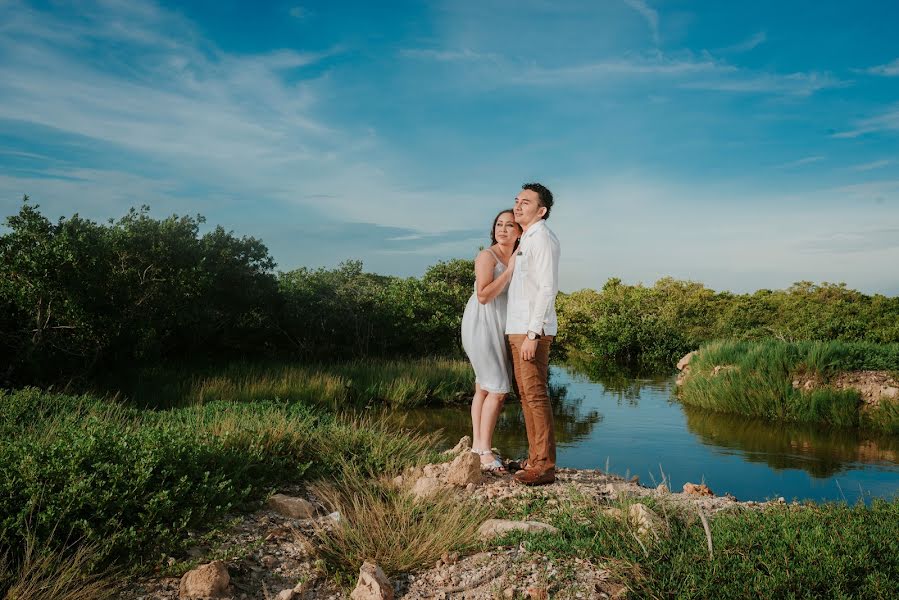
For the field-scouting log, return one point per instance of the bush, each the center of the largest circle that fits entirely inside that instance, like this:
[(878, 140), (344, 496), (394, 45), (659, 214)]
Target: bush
[(132, 483)]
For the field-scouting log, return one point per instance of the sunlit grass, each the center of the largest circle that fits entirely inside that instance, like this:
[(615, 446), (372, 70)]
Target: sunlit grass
[(756, 379), (397, 383)]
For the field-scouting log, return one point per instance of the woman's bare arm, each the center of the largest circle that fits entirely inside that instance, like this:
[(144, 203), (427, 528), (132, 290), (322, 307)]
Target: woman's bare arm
[(487, 287)]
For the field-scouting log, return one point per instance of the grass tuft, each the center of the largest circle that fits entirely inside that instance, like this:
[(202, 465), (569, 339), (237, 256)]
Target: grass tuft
[(48, 573), (382, 523)]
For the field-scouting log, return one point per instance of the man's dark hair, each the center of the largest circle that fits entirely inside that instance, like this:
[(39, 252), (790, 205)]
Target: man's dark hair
[(543, 193)]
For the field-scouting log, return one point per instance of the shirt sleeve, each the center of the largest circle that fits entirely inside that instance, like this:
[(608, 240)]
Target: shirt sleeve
[(545, 261)]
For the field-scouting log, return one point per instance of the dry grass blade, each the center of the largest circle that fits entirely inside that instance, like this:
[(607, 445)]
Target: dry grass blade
[(46, 574), (392, 528), (708, 532)]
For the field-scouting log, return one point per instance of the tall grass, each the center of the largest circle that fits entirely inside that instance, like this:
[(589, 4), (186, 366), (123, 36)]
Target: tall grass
[(824, 551), (757, 379), (133, 483), (390, 526), (397, 383), (48, 573)]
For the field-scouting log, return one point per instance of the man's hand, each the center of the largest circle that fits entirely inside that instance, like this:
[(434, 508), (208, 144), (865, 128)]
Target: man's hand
[(528, 349)]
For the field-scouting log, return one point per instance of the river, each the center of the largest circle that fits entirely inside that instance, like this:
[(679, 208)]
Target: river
[(634, 426)]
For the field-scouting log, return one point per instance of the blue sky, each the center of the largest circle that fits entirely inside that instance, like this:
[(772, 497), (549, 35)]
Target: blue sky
[(744, 145)]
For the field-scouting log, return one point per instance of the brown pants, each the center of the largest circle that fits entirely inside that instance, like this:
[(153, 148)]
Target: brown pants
[(532, 378)]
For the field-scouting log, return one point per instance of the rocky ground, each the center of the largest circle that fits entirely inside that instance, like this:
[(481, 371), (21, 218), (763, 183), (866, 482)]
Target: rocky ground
[(270, 554)]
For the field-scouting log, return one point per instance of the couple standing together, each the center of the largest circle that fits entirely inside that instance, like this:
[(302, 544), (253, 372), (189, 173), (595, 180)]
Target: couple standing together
[(516, 282)]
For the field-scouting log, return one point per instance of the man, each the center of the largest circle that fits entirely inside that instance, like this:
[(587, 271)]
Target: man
[(531, 325)]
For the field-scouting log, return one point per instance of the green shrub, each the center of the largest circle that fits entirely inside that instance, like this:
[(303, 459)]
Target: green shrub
[(132, 483)]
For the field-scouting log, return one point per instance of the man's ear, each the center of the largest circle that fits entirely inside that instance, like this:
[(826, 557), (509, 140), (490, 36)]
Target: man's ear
[(542, 211)]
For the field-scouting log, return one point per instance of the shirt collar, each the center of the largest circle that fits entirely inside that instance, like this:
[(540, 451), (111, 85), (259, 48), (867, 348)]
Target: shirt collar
[(532, 228)]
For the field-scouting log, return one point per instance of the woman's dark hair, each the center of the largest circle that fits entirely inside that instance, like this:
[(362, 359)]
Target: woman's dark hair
[(493, 229)]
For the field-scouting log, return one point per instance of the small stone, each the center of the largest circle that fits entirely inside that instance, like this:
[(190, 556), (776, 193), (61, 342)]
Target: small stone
[(464, 445), (465, 469), (537, 593), (398, 481), (373, 584), (509, 592), (645, 520), (285, 595), (206, 581), (683, 362), (268, 561), (335, 517), (470, 487), (662, 488), (425, 487), (495, 527), (290, 506), (697, 489)]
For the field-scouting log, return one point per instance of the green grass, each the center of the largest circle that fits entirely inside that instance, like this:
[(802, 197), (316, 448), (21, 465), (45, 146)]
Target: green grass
[(397, 383), (824, 551), (132, 483), (758, 381)]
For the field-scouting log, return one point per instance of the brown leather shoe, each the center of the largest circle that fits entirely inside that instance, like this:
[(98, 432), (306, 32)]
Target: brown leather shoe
[(532, 477)]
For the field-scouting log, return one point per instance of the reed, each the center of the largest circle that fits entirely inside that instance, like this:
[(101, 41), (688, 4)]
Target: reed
[(756, 378)]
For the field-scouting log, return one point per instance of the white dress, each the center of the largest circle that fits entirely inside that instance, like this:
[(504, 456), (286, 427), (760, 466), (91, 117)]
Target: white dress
[(484, 338)]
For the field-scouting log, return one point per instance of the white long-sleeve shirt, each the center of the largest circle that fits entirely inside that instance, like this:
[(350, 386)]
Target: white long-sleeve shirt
[(535, 283)]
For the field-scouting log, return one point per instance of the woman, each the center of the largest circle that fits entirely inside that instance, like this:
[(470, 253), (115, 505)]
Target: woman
[(483, 335)]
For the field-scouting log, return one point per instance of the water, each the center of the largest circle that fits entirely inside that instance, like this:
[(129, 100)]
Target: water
[(635, 427)]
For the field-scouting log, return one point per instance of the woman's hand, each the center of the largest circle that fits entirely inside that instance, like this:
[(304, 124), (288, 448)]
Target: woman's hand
[(511, 266)]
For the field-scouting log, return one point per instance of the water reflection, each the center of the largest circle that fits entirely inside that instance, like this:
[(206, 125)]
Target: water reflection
[(820, 452), (622, 383), (572, 423)]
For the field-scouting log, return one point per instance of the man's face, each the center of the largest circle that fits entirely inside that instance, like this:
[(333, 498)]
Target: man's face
[(527, 208)]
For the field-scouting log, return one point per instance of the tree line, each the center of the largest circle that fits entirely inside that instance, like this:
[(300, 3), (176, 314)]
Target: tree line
[(80, 298)]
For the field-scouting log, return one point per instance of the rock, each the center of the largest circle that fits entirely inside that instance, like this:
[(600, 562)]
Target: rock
[(494, 527), (373, 584), (615, 513), (464, 445), (684, 362), (290, 506), (465, 469), (717, 369), (206, 581), (268, 561), (537, 593), (398, 481), (335, 517), (432, 470), (285, 595), (425, 487), (697, 489), (890, 392), (645, 520), (662, 488), (509, 593)]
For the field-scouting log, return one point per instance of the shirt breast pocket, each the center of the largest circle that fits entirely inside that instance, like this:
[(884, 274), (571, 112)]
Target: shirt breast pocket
[(523, 263)]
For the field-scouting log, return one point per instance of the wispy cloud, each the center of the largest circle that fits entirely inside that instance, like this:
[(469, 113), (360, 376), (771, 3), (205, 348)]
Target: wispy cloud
[(792, 84), (870, 166), (801, 162), (754, 41), (462, 55), (649, 14), (890, 69), (887, 121), (299, 12), (853, 241)]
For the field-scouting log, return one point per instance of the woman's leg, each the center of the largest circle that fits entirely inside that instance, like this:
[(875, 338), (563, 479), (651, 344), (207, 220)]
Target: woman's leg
[(492, 406), (477, 405)]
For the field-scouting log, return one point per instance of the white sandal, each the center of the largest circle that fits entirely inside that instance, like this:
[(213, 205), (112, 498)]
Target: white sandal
[(492, 467)]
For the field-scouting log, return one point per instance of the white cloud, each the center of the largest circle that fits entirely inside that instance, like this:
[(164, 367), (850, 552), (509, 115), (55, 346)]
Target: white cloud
[(887, 121), (801, 162), (890, 69), (870, 166), (649, 14), (752, 42)]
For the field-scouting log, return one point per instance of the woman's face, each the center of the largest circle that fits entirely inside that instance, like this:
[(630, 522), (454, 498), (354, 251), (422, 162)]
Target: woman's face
[(506, 231)]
